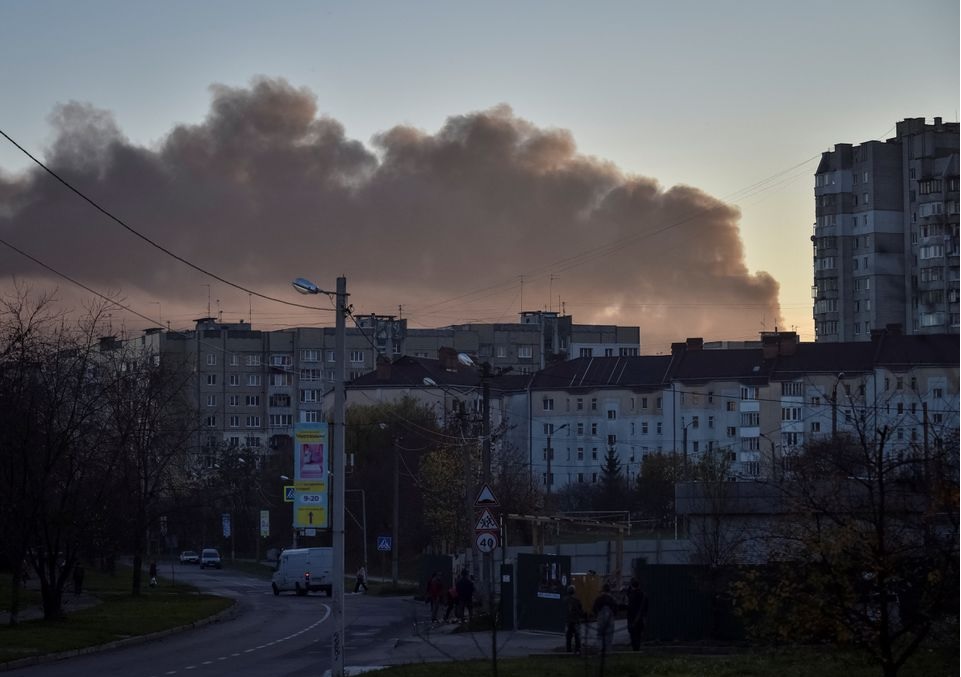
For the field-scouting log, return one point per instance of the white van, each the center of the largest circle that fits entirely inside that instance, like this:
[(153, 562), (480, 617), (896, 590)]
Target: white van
[(303, 570)]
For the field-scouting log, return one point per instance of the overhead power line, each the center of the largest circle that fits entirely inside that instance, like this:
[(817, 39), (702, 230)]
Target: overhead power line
[(143, 237)]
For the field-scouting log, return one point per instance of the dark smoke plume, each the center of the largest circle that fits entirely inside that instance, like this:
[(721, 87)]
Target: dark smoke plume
[(266, 189)]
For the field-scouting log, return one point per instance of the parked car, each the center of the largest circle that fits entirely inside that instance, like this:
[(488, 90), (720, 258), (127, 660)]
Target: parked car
[(189, 557), (209, 557)]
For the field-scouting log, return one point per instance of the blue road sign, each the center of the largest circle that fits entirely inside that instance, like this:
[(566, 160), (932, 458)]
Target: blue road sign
[(289, 493), (384, 543)]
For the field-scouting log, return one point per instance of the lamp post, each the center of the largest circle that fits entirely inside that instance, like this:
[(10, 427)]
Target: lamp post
[(550, 456), (338, 469)]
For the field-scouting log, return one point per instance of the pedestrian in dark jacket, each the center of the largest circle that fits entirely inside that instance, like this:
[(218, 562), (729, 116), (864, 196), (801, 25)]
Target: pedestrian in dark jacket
[(636, 613), (575, 614), (604, 610), (153, 574), (465, 596)]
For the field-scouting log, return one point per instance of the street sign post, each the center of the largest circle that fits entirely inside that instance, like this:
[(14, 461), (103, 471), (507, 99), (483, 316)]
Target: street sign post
[(384, 543)]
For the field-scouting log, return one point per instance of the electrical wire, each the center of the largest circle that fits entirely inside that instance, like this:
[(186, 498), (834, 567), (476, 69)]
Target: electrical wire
[(143, 237)]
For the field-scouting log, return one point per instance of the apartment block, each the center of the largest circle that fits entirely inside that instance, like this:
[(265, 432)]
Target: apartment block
[(886, 234)]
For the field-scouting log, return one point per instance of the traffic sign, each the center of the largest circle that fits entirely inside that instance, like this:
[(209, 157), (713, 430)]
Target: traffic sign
[(486, 498), (384, 543), (289, 492), (487, 522), (486, 541)]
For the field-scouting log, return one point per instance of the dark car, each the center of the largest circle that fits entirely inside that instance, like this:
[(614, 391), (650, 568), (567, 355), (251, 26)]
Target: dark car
[(189, 557), (209, 557)]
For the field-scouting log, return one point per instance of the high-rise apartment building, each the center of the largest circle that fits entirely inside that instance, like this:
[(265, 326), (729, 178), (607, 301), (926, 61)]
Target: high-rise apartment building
[(886, 234)]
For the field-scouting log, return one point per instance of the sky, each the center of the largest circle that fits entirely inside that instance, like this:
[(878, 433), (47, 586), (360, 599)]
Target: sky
[(631, 163)]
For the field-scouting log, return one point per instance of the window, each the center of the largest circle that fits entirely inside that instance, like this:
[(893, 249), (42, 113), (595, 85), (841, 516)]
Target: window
[(792, 389), (281, 380), (211, 359), (548, 404), (586, 352), (643, 403), (660, 427), (611, 440), (234, 360), (899, 384), (357, 356), (594, 454), (253, 421), (748, 392), (731, 431), (580, 477), (280, 360), (256, 380), (211, 400), (233, 380), (281, 420), (310, 375), (252, 441), (308, 416), (731, 405), (608, 352), (253, 360), (309, 355), (253, 400), (280, 400), (751, 419), (580, 428), (501, 351), (525, 352), (331, 355), (580, 453), (643, 427), (611, 414), (309, 395), (938, 393), (211, 379), (815, 426), (593, 404), (234, 421), (593, 428), (210, 421), (233, 400), (579, 404)]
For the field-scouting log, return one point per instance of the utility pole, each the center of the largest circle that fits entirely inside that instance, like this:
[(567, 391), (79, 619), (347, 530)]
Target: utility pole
[(549, 481), (395, 546)]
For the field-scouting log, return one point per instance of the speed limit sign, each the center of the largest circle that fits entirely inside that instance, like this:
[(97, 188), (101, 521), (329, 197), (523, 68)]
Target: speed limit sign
[(486, 541)]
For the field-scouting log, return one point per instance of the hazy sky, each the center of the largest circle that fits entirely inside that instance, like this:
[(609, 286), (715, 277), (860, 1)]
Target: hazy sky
[(642, 163)]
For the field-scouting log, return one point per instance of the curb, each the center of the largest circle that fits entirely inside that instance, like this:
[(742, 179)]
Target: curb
[(227, 614)]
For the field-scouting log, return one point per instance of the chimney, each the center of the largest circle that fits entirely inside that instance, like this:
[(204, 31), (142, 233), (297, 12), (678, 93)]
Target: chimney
[(788, 343), (769, 346), (447, 358), (695, 343), (678, 349), (383, 368)]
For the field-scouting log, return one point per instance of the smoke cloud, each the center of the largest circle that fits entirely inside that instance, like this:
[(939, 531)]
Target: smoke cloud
[(441, 224)]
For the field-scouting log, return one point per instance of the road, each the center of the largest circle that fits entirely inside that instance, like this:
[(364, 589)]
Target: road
[(285, 636)]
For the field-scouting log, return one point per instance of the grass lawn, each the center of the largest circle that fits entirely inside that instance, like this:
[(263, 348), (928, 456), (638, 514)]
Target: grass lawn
[(117, 617), (793, 663)]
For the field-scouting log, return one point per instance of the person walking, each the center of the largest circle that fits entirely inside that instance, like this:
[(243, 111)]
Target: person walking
[(435, 591), (361, 581), (575, 614), (465, 596), (153, 573), (636, 613), (451, 602), (604, 610)]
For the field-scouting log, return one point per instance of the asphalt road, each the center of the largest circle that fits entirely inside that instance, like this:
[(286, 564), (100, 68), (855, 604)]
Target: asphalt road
[(285, 636)]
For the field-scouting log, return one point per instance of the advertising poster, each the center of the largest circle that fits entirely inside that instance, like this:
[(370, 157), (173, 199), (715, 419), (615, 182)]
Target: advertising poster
[(311, 448)]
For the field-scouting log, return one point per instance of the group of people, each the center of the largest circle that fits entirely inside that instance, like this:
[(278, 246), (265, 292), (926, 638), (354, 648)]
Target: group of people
[(459, 597), (604, 610)]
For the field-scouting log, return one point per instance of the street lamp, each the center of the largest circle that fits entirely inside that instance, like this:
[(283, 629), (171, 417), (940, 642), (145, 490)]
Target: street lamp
[(338, 469), (550, 456)]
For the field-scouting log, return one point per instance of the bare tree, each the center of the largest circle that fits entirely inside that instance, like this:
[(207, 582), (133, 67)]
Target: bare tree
[(868, 553)]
